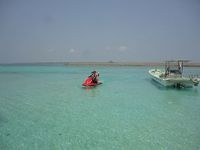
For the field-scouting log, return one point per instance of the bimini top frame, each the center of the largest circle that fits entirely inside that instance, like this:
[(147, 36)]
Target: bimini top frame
[(174, 67)]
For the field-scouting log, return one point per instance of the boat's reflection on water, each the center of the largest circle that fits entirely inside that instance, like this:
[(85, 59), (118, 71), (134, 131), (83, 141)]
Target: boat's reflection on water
[(88, 88)]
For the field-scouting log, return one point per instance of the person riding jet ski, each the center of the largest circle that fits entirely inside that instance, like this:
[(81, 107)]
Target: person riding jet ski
[(92, 80), (95, 76)]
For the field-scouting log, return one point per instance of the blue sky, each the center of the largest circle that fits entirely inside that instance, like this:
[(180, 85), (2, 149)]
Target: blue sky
[(99, 30)]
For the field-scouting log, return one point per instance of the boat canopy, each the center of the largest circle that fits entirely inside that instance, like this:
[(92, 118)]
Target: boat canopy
[(174, 66)]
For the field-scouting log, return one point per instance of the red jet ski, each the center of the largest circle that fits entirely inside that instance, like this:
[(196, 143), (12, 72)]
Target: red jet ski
[(89, 82)]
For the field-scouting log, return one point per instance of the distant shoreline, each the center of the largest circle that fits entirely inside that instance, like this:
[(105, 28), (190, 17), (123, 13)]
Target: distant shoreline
[(134, 64)]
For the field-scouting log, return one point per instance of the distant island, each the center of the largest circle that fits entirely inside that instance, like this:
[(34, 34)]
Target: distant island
[(109, 63)]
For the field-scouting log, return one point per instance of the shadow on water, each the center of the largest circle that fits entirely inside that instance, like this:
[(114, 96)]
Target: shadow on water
[(89, 88), (92, 90)]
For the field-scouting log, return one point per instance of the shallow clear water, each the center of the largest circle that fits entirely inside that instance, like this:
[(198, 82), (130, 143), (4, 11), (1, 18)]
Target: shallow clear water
[(45, 107)]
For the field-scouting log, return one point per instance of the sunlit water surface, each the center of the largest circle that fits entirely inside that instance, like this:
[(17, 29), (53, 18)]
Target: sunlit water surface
[(45, 107)]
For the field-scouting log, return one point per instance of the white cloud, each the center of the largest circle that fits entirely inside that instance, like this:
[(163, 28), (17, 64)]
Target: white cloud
[(71, 50), (123, 48)]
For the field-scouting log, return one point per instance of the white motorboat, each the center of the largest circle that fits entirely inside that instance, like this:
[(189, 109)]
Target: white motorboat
[(173, 75)]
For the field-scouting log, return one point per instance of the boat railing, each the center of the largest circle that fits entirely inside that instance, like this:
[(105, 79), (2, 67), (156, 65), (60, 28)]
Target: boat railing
[(192, 76)]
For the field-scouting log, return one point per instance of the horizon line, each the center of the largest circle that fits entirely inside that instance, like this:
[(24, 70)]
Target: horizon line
[(101, 63)]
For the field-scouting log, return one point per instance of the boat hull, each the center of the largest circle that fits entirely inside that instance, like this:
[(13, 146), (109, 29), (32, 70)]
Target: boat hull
[(160, 77)]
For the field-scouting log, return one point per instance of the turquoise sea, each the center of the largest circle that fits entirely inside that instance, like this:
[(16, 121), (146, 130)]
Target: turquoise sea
[(44, 107)]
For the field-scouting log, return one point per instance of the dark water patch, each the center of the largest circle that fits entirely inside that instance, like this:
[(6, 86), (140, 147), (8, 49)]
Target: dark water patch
[(8, 134)]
